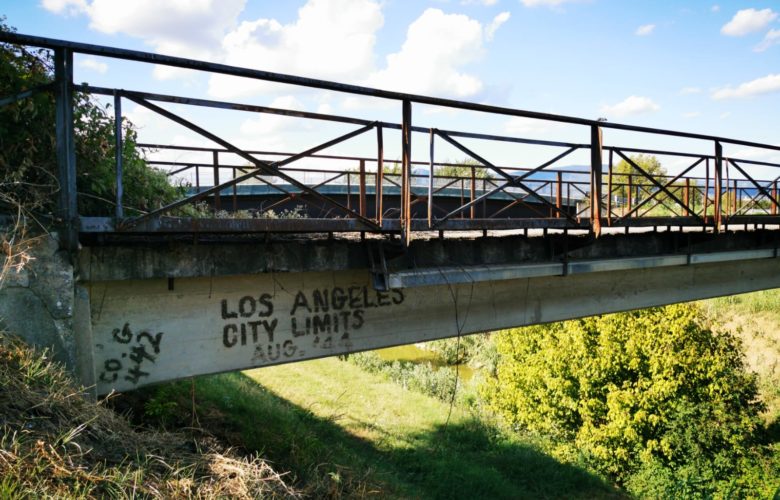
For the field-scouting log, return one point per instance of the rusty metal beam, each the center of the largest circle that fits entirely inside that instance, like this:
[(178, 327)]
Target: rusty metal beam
[(180, 62), (595, 179), (67, 203), (262, 167)]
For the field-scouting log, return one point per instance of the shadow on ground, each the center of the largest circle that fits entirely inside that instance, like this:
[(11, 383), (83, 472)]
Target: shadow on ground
[(464, 460)]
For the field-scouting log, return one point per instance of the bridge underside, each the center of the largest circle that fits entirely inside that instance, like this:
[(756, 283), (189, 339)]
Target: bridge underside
[(161, 312)]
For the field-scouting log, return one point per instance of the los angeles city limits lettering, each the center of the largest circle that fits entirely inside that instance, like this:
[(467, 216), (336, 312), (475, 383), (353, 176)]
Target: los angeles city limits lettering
[(325, 315)]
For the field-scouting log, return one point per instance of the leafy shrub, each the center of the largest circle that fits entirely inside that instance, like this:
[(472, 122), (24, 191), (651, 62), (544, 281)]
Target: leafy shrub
[(419, 377), (648, 395), (477, 350), (28, 161)]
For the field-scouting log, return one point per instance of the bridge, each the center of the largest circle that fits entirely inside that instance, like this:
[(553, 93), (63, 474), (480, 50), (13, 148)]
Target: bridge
[(299, 255)]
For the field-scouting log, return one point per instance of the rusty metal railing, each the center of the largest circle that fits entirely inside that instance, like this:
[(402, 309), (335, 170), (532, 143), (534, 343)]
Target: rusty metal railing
[(379, 194)]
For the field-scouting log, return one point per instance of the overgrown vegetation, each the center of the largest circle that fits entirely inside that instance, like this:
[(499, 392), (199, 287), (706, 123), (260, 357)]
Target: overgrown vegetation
[(54, 443), (655, 399), (424, 378), (28, 168), (652, 398), (755, 318)]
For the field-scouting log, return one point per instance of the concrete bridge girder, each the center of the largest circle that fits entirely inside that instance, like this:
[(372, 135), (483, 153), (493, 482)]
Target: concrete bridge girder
[(126, 315), (146, 331)]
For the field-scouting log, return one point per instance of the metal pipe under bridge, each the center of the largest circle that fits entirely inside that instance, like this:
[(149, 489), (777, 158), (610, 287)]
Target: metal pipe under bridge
[(295, 255)]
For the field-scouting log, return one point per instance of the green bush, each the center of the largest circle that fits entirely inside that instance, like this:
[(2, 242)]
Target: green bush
[(419, 377), (477, 350), (28, 161), (647, 395)]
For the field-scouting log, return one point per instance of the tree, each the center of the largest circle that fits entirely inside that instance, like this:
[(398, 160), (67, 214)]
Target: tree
[(641, 391), (627, 182), (464, 169), (621, 184), (28, 168)]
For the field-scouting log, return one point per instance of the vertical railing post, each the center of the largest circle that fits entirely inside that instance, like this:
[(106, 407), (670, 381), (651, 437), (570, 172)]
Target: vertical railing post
[(484, 201), (217, 200), (735, 203), (558, 194), (609, 189), (473, 208), (235, 193), (197, 178), (362, 188), (705, 205), (687, 196), (774, 197), (66, 151), (406, 167), (118, 149), (595, 179), (431, 162), (380, 162), (718, 185), (550, 211), (630, 192), (349, 191), (462, 214)]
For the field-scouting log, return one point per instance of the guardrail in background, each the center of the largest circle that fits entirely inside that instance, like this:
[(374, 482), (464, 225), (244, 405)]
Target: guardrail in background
[(404, 196)]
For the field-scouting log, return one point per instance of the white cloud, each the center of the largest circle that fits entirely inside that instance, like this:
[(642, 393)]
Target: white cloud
[(65, 7), (93, 64), (196, 22), (546, 3), (690, 90), (330, 39), (771, 38), (765, 85), (644, 30), (495, 24), (437, 45), (748, 21), (486, 3), (177, 27), (632, 105), (267, 124), (715, 8), (691, 114), (186, 28), (725, 115), (519, 125)]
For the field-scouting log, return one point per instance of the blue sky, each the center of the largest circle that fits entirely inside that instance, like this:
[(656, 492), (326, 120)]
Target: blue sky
[(708, 67)]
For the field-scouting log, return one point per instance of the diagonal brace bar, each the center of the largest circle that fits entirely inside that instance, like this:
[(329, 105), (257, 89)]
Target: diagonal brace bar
[(761, 188), (548, 163), (262, 167), (655, 182), (653, 195), (511, 181)]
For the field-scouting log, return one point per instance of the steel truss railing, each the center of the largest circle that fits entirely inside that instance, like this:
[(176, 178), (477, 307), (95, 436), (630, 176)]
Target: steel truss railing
[(556, 197)]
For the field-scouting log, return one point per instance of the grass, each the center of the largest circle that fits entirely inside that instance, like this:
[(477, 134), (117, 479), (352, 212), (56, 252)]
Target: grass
[(55, 443), (755, 319), (343, 432)]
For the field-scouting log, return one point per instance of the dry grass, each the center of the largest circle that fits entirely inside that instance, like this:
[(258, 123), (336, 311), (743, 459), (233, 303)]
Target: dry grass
[(755, 319), (54, 442)]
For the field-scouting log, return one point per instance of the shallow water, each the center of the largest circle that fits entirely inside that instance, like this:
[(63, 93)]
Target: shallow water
[(415, 354)]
